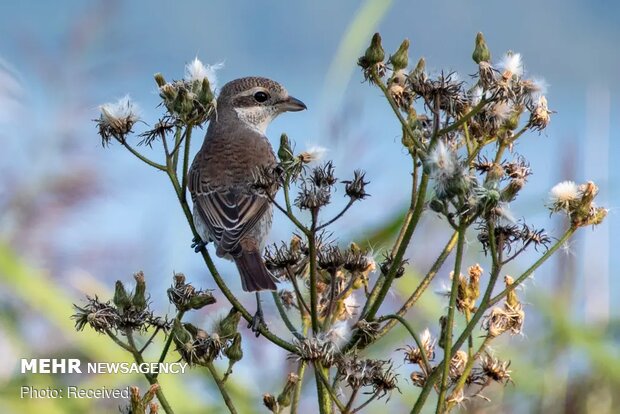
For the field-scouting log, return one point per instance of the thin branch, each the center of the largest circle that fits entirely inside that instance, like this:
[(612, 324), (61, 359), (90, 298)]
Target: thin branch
[(460, 244), (143, 158), (416, 338), (368, 401), (349, 204), (222, 387), (118, 341), (149, 341), (285, 317), (325, 382), (164, 351)]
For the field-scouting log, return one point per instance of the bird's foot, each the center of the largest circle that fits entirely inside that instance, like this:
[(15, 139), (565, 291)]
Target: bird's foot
[(198, 245), (257, 322)]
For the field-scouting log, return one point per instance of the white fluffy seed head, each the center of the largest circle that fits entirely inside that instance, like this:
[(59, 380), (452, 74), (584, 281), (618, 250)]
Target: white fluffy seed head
[(338, 334), (197, 71), (511, 65), (123, 109), (313, 154), (443, 159), (564, 192)]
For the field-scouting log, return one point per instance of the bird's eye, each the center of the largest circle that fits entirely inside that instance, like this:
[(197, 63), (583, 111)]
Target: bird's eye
[(261, 96)]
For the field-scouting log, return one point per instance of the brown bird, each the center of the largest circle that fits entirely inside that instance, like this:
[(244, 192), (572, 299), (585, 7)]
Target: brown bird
[(227, 210)]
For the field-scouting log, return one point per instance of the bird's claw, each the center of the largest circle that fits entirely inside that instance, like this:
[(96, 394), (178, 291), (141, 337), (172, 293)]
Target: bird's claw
[(257, 322), (198, 245)]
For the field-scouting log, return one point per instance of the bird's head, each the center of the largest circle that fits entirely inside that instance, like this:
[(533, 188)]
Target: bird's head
[(256, 101)]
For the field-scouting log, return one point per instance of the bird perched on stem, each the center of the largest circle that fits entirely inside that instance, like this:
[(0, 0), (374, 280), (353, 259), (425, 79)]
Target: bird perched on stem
[(227, 210)]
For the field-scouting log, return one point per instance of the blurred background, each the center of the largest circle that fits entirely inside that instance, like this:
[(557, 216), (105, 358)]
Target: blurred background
[(75, 217)]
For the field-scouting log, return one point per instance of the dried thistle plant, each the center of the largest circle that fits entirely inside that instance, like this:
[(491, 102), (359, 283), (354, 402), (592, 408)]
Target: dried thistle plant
[(461, 138)]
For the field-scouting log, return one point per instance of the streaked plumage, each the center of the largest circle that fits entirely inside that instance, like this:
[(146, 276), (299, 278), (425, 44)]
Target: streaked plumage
[(227, 210)]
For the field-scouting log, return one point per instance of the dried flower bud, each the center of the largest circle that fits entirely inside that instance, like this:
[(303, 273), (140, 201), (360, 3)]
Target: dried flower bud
[(205, 94), (117, 120), (150, 394), (420, 67), (481, 52), (457, 364), (234, 352), (139, 298), (400, 59), (495, 369), (285, 152), (180, 334), (159, 79), (228, 325), (504, 319), (413, 355), (168, 92), (99, 316), (511, 297), (486, 74), (540, 115), (418, 379), (388, 259), (271, 403), (285, 397), (185, 296), (374, 54), (121, 298)]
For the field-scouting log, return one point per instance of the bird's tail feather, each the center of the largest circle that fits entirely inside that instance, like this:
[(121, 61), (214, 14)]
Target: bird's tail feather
[(254, 274)]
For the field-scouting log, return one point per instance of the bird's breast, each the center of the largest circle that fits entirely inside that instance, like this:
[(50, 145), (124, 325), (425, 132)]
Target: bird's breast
[(231, 160)]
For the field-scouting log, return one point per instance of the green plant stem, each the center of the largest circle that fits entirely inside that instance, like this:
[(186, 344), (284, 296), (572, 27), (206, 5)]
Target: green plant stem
[(290, 216), (460, 245), (301, 370), (222, 387), (118, 341), (143, 158), (465, 118), (164, 351), (336, 217), (284, 316), (314, 317), (322, 388), (328, 393), (567, 235), (468, 367), (398, 257), (395, 108), (178, 137), (184, 171), (484, 305), (422, 286), (416, 338), (407, 219), (470, 338), (364, 404), (152, 379)]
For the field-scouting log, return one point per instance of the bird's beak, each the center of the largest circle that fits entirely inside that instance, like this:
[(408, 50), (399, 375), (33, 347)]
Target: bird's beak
[(292, 104)]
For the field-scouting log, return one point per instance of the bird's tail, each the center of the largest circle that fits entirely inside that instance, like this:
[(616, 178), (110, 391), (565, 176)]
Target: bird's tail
[(254, 274)]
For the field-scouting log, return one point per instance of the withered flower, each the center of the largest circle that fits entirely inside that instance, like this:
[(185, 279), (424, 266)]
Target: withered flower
[(495, 369), (164, 126), (101, 316), (315, 349), (185, 296), (413, 355), (356, 188)]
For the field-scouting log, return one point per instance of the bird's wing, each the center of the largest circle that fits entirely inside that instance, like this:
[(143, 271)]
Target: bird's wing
[(229, 216)]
